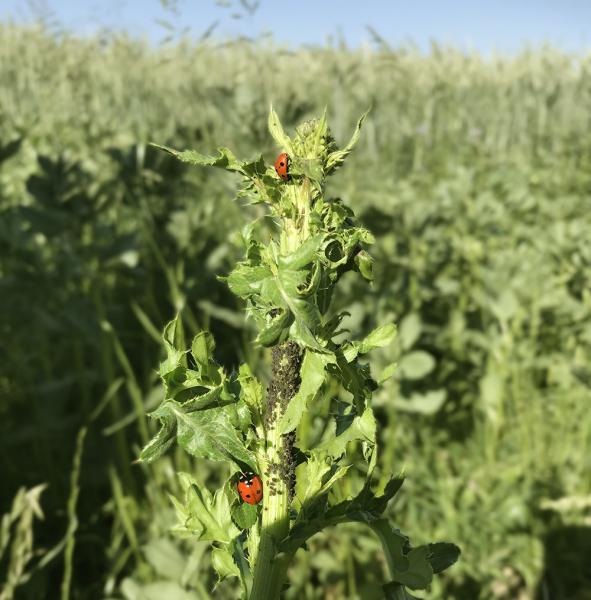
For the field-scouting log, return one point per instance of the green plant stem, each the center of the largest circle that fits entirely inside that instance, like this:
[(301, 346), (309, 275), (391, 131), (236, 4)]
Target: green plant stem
[(72, 517), (383, 529), (269, 571), (271, 565)]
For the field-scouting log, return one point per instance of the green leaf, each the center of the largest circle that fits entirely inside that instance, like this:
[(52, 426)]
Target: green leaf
[(224, 160), (419, 574), (173, 355), (210, 433), (304, 310), (244, 515), (410, 330), (309, 476), (160, 443), (364, 264), (304, 255), (365, 507), (203, 347), (426, 404), (348, 429), (312, 375), (408, 566), (251, 389), (246, 280), (276, 130), (165, 557), (387, 373), (336, 159), (355, 378), (223, 563), (275, 330), (315, 477), (416, 365), (442, 555), (200, 514), (311, 168), (378, 338)]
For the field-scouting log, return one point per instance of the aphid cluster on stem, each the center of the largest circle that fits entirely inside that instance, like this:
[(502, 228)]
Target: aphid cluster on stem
[(286, 360)]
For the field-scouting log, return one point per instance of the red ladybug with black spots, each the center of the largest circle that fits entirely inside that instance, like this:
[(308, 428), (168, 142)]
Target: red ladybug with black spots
[(250, 488), (282, 166)]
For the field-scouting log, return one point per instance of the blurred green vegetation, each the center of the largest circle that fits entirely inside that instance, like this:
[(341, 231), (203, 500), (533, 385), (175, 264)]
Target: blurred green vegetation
[(475, 176)]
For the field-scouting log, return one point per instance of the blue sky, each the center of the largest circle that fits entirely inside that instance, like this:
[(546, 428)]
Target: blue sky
[(486, 25)]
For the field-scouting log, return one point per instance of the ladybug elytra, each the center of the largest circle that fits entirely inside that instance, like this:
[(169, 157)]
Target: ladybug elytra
[(282, 166), (250, 488)]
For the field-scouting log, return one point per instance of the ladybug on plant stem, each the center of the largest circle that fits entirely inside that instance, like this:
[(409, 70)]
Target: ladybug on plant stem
[(250, 488), (282, 166)]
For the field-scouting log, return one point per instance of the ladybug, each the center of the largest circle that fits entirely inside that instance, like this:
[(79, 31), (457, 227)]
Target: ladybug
[(250, 488), (282, 166)]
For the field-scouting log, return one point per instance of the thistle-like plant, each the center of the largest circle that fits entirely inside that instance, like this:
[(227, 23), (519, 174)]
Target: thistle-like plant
[(311, 434)]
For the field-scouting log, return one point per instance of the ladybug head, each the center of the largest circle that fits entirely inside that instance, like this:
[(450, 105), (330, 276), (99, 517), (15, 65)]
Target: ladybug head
[(246, 476)]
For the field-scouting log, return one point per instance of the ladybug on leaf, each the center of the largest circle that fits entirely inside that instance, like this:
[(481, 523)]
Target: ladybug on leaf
[(282, 166), (250, 488)]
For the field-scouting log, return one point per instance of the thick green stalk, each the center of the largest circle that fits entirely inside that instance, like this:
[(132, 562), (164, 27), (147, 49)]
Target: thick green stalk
[(269, 571), (277, 475)]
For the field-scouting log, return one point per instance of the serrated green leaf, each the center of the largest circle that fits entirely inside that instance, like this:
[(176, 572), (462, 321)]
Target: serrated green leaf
[(408, 566), (303, 255), (276, 130), (336, 159), (365, 508), (224, 160), (223, 563), (202, 514), (211, 433), (355, 378), (315, 477), (311, 168), (246, 280), (160, 443), (304, 310), (419, 574), (348, 429), (287, 290)]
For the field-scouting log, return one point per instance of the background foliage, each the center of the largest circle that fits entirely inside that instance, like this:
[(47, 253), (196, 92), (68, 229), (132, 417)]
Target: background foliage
[(474, 175)]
